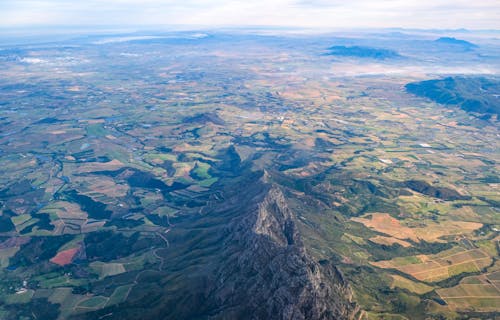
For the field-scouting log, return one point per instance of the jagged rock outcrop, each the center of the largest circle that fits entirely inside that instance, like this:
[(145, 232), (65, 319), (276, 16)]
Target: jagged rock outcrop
[(271, 276)]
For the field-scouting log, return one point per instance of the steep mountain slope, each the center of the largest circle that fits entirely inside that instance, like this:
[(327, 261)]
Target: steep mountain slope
[(245, 260), (472, 94)]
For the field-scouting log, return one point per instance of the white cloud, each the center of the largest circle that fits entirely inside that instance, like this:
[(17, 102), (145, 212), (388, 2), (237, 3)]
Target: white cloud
[(301, 13)]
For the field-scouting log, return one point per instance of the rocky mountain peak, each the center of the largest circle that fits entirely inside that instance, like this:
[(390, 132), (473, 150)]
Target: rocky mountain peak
[(280, 279), (274, 219)]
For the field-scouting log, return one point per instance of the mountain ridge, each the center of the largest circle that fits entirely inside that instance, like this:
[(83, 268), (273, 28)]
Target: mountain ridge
[(248, 263)]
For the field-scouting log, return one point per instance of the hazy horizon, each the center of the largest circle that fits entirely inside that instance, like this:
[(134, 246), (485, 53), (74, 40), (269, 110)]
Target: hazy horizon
[(335, 14)]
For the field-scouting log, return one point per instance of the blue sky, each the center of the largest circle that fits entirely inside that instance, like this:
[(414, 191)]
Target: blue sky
[(426, 14)]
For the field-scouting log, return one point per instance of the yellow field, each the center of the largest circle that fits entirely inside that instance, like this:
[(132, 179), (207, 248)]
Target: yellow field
[(416, 287), (100, 166), (476, 293), (65, 210), (107, 269), (389, 241), (432, 268), (96, 187), (432, 232)]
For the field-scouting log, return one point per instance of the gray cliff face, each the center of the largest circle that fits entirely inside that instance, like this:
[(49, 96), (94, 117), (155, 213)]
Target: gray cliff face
[(275, 220), (272, 275)]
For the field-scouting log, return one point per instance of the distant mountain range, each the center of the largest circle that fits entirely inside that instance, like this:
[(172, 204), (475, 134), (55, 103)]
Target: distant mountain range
[(472, 94), (363, 52), (456, 43)]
